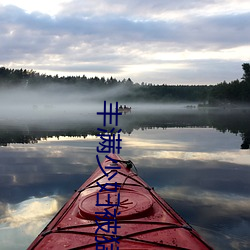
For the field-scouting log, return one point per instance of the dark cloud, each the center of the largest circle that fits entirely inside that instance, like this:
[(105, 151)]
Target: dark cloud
[(224, 30)]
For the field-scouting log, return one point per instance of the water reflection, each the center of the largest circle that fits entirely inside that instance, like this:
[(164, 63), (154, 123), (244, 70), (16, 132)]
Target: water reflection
[(195, 166), (233, 121), (29, 210), (19, 222)]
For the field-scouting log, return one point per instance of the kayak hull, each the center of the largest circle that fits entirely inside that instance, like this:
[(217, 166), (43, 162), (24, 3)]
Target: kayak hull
[(143, 220)]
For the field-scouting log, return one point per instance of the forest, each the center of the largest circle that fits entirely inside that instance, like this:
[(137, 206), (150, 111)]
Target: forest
[(224, 93)]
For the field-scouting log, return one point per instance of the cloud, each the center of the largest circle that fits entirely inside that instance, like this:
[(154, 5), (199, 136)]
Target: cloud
[(141, 9), (91, 37)]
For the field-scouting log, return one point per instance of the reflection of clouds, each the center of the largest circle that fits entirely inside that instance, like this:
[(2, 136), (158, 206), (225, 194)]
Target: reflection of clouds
[(228, 203), (237, 157), (25, 220), (45, 168), (140, 139), (203, 144), (70, 139), (222, 219), (148, 144), (184, 139), (2, 209), (29, 212), (64, 157), (227, 240), (208, 183)]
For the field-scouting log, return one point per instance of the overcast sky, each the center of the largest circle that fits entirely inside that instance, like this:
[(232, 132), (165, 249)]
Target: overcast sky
[(154, 41)]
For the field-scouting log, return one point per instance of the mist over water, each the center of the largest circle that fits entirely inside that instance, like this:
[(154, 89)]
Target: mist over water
[(55, 102), (191, 156), (61, 102), (59, 107)]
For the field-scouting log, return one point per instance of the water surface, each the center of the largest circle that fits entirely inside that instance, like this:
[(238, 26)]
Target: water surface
[(194, 160)]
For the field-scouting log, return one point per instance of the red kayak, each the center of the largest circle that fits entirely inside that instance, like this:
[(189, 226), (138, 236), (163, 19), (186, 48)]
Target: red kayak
[(116, 209)]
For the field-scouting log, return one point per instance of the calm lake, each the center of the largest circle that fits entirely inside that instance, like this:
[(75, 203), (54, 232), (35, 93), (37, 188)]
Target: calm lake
[(198, 160)]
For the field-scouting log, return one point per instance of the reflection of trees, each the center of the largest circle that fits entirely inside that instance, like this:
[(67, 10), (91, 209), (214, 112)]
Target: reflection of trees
[(19, 134), (246, 141), (234, 121), (16, 137)]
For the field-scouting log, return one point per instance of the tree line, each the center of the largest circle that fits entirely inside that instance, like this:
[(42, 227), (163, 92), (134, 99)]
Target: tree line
[(236, 91)]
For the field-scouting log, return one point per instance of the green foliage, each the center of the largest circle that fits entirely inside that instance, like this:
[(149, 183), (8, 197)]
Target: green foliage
[(246, 75), (222, 93), (234, 92)]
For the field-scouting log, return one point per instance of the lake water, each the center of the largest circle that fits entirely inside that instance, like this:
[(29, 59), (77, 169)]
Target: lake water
[(197, 160)]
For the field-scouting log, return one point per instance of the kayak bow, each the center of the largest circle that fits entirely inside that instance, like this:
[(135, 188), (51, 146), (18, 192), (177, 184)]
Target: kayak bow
[(143, 220)]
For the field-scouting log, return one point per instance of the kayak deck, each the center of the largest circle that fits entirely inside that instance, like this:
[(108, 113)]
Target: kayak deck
[(143, 220)]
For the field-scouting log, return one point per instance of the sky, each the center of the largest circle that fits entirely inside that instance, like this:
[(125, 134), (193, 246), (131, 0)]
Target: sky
[(152, 41)]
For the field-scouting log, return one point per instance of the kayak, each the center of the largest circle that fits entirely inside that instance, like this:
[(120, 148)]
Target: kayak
[(116, 209)]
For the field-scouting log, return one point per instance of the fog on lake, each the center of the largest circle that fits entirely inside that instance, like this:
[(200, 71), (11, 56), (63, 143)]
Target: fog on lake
[(197, 160)]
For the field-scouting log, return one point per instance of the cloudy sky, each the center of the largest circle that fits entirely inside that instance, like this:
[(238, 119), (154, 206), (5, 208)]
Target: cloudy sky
[(157, 41)]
